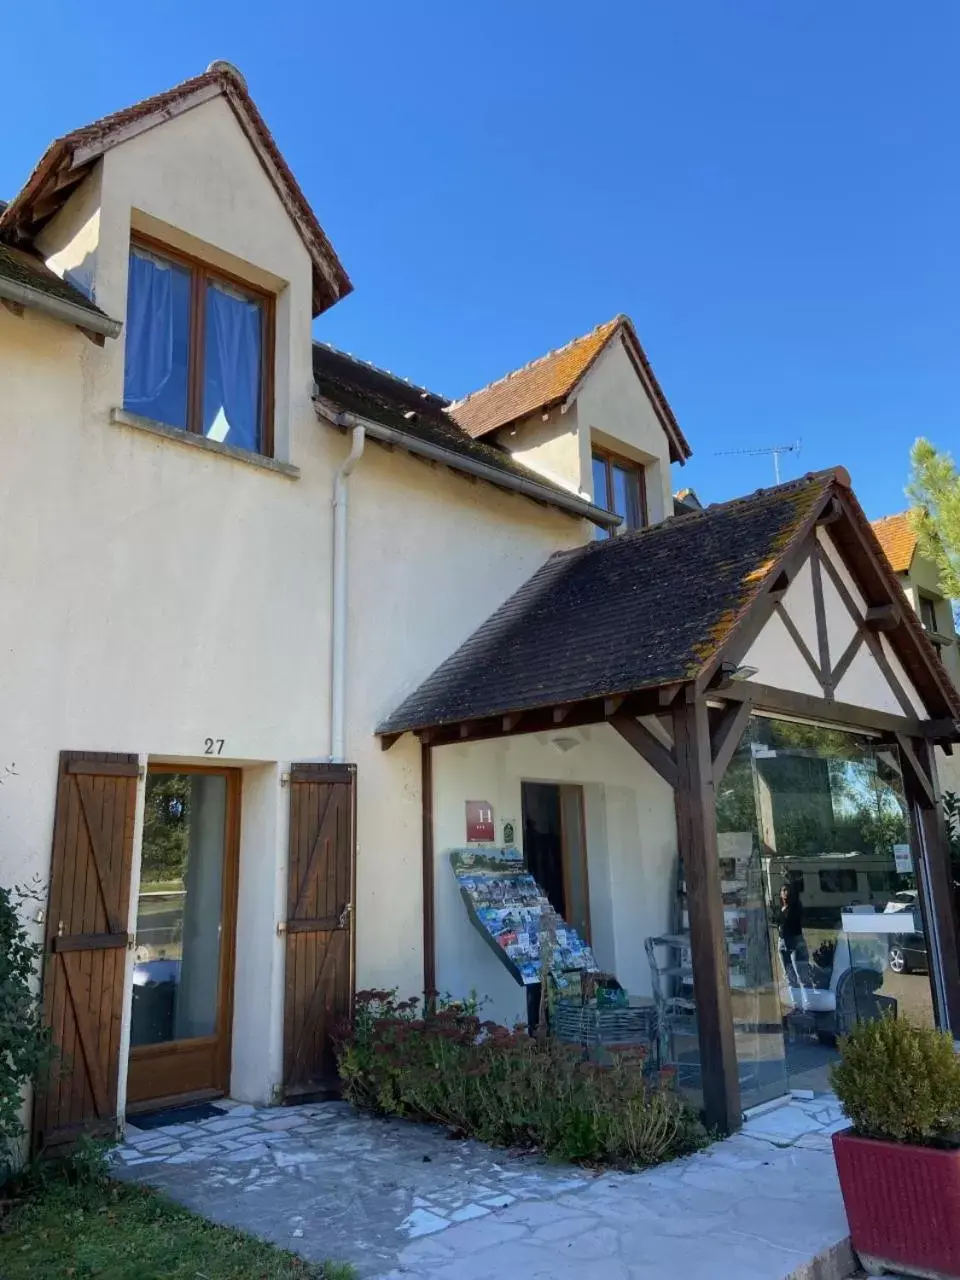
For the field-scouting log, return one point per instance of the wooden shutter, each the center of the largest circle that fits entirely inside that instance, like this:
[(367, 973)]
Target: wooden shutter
[(319, 926), (86, 940)]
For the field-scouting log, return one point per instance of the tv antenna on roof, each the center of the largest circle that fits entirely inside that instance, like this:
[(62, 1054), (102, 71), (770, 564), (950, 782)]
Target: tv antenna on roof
[(774, 449)]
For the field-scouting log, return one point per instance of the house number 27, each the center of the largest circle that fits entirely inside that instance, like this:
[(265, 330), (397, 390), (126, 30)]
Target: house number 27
[(213, 746)]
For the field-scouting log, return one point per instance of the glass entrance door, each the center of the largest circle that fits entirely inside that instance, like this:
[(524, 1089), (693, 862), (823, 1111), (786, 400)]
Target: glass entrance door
[(820, 818), (182, 979)]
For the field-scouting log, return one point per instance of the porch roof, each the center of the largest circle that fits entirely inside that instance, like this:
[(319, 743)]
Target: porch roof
[(648, 609)]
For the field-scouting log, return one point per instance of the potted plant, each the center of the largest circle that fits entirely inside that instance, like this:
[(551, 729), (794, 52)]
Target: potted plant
[(899, 1165)]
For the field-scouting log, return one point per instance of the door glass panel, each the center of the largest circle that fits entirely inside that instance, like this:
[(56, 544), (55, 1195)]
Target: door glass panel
[(825, 815), (179, 910), (757, 1020)]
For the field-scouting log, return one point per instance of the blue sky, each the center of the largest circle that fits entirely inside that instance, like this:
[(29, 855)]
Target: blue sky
[(770, 188)]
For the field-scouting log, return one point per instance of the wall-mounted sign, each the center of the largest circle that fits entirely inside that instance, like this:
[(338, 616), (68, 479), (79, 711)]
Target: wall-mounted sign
[(508, 832), (480, 821)]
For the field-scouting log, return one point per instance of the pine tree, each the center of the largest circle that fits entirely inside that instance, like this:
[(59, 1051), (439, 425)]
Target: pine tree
[(934, 491)]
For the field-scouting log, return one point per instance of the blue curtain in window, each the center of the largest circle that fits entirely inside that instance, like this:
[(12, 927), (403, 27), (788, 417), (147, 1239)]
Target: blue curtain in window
[(157, 331), (232, 360)]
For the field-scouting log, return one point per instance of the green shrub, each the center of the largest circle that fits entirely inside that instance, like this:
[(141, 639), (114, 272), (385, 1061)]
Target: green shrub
[(899, 1082), (23, 1040), (506, 1088)]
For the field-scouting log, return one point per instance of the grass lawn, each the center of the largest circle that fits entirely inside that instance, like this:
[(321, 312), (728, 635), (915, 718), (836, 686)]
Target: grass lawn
[(119, 1232)]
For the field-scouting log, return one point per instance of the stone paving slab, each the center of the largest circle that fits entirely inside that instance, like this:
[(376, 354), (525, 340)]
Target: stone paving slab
[(405, 1202)]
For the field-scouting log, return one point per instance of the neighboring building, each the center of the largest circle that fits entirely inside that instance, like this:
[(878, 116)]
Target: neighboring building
[(921, 585), (206, 650)]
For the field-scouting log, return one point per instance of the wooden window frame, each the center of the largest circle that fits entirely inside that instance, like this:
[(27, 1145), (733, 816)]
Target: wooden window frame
[(201, 273), (611, 460), (931, 604), (163, 1062)]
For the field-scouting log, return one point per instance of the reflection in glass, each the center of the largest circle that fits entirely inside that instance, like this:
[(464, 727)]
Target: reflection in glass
[(820, 816), (176, 974)]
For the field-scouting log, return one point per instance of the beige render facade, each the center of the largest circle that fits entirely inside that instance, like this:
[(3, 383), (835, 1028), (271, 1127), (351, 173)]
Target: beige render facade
[(163, 593), (167, 598)]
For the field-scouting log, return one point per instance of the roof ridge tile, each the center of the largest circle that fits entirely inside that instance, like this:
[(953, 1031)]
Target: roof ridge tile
[(547, 355)]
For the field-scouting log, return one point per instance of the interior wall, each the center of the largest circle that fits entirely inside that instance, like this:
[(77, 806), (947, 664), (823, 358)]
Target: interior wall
[(257, 1047), (631, 851)]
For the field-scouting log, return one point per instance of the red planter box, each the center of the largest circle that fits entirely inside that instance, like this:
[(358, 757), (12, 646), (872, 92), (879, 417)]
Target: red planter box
[(902, 1203)]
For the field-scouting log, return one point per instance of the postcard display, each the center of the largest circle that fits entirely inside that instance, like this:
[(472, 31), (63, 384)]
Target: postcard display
[(745, 915), (513, 914)]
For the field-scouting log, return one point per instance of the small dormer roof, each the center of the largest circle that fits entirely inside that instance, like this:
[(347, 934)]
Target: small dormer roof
[(898, 538), (552, 378), (68, 160)]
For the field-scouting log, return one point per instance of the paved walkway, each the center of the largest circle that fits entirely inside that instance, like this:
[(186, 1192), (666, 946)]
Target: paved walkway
[(405, 1202)]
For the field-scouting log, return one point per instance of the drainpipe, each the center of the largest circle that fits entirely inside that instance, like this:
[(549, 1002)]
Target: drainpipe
[(338, 677)]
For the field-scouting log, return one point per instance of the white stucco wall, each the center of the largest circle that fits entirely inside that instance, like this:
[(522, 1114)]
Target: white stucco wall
[(610, 409), (431, 556), (69, 242), (549, 443), (155, 595), (631, 852), (615, 411)]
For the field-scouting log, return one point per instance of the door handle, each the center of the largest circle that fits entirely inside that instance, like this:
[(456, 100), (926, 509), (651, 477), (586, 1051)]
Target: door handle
[(344, 916)]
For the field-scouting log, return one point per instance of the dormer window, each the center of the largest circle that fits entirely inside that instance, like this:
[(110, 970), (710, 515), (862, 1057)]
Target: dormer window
[(618, 485), (199, 349), (928, 613)]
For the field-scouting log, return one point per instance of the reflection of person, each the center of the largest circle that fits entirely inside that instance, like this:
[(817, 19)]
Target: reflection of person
[(789, 919)]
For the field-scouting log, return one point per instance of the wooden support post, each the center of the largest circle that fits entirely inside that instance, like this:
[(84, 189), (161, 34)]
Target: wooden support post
[(697, 843), (429, 895), (931, 835)]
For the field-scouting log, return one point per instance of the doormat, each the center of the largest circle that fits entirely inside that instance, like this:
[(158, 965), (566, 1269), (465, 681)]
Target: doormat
[(176, 1115)]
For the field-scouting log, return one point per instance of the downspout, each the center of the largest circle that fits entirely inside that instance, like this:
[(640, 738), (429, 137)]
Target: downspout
[(338, 676)]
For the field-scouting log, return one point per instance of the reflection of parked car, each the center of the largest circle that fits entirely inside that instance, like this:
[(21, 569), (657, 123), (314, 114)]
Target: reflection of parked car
[(908, 951)]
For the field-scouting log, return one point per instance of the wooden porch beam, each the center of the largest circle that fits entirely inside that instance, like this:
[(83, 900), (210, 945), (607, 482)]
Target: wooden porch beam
[(806, 707), (645, 744), (845, 659), (697, 845), (822, 677), (388, 739), (820, 617), (916, 770), (428, 874), (738, 642), (727, 737), (934, 849), (667, 694), (831, 513), (883, 617)]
